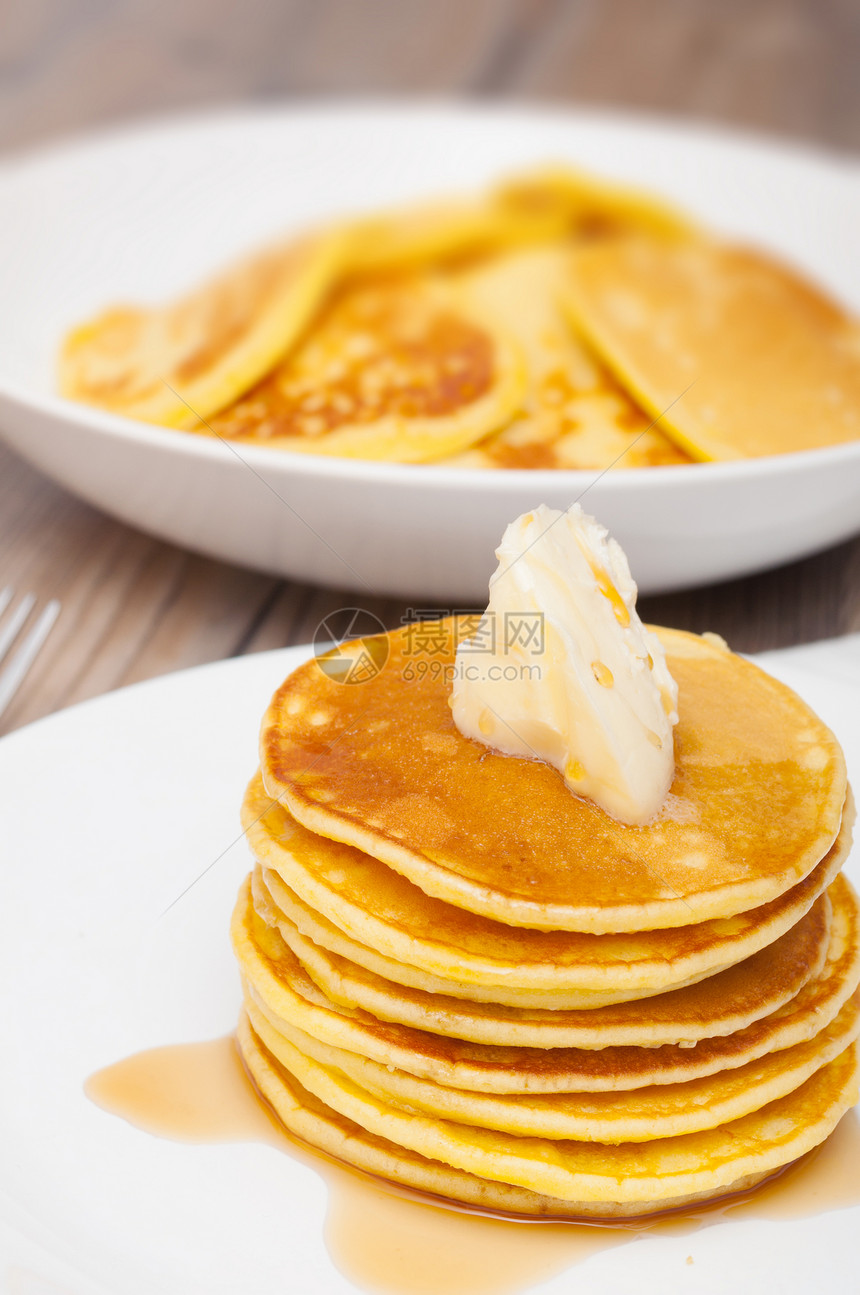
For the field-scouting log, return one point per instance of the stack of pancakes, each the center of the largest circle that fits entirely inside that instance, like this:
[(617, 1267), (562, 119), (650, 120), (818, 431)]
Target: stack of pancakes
[(463, 978)]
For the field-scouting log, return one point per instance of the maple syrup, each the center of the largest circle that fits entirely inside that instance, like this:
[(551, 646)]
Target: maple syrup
[(392, 1241)]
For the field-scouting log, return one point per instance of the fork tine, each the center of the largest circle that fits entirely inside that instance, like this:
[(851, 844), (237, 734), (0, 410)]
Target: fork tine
[(12, 676), (5, 598), (15, 623)]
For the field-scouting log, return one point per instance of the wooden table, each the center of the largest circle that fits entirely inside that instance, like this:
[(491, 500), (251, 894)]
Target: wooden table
[(135, 607)]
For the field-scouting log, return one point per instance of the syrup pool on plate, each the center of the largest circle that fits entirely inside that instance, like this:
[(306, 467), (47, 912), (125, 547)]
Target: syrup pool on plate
[(392, 1242)]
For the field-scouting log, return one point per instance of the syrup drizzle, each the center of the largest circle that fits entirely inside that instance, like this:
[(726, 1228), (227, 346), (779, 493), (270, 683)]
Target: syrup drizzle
[(393, 1242)]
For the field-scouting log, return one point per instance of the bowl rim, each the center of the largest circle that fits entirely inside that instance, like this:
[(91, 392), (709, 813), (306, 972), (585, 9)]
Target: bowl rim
[(409, 476)]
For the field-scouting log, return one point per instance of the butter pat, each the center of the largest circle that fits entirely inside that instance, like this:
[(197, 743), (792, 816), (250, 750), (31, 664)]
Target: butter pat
[(562, 669)]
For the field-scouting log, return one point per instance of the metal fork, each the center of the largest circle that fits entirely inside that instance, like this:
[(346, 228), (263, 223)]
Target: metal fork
[(13, 673)]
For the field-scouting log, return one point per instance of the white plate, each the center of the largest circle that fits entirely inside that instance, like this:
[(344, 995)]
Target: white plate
[(108, 811), (143, 213)]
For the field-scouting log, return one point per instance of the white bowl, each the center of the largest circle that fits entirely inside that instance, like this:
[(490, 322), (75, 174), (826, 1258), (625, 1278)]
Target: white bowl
[(143, 213)]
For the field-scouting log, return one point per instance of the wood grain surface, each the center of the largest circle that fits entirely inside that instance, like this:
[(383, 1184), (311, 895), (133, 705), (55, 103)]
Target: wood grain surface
[(133, 606)]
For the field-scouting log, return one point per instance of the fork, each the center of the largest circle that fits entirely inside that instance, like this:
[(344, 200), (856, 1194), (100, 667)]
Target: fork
[(13, 673)]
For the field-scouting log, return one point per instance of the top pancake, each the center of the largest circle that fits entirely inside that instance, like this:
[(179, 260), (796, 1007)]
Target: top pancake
[(767, 363), (756, 801)]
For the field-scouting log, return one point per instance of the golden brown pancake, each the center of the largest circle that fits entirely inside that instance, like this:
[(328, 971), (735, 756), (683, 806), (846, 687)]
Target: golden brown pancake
[(347, 901), (755, 805), (309, 1119), (527, 209), (401, 368), (447, 233), (574, 414), (726, 1004), (287, 995), (767, 363), (667, 1168), (589, 207), (177, 364)]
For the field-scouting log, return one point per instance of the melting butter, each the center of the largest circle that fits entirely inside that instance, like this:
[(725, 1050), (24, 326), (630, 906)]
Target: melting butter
[(562, 669)]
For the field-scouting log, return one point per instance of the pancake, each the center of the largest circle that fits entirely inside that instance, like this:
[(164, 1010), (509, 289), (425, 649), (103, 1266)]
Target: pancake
[(396, 929), (402, 368), (288, 997), (209, 346), (667, 1168), (601, 429), (446, 233), (724, 1004), (756, 801), (531, 208), (322, 1128), (774, 363), (575, 415), (590, 207), (641, 1115)]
